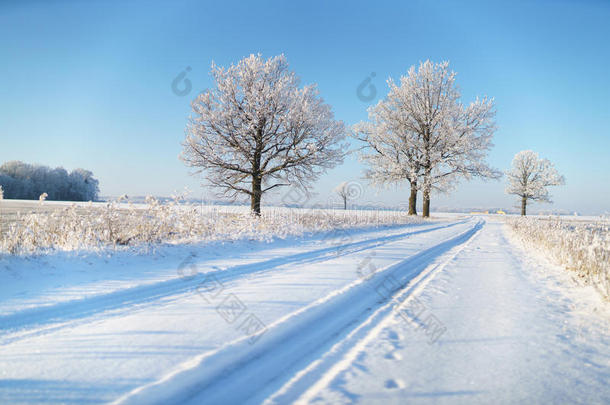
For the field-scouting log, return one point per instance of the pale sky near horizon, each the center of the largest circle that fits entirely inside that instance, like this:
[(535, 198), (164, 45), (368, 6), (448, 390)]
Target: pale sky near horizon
[(89, 84)]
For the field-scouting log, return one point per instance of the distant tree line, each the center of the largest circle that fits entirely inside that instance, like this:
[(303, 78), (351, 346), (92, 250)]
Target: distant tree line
[(26, 181)]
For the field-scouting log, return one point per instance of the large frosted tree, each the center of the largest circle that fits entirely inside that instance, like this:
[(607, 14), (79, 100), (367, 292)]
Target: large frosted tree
[(422, 133), (530, 177), (389, 153), (258, 130)]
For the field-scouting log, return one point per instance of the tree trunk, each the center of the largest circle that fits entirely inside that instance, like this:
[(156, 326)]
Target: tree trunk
[(426, 208), (257, 178), (523, 205), (427, 174), (344, 203), (413, 199), (255, 197)]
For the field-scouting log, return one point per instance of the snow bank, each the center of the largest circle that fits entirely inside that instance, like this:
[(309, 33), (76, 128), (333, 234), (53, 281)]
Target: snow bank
[(583, 247)]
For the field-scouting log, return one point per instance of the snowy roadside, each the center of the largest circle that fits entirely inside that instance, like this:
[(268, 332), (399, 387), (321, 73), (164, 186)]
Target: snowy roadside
[(580, 297), (582, 248), (45, 229)]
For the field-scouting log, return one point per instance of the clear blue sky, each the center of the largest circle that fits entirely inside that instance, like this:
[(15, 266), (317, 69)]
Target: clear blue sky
[(88, 83)]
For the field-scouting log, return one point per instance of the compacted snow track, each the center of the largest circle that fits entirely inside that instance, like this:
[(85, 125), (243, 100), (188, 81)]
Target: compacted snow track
[(323, 322), (514, 334), (292, 342)]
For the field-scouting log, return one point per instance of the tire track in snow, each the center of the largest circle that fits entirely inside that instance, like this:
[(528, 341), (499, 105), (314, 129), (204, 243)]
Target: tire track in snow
[(241, 373), (303, 387), (67, 313)]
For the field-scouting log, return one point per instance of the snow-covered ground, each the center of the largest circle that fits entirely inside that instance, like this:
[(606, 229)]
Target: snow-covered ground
[(445, 311)]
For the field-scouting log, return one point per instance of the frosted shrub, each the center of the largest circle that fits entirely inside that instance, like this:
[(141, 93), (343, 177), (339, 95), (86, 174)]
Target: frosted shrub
[(581, 247), (119, 223)]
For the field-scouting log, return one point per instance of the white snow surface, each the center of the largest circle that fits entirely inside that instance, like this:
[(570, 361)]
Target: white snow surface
[(453, 311)]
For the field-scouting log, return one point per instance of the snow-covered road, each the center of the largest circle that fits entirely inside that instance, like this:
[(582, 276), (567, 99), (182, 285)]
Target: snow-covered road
[(514, 335), (447, 311)]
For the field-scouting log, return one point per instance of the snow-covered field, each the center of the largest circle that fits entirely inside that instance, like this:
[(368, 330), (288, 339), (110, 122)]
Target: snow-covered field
[(451, 310)]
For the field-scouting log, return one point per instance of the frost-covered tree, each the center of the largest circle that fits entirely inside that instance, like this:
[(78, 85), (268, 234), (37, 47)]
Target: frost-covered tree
[(422, 133), (391, 151), (258, 130), (343, 192), (348, 191), (82, 185), (530, 176)]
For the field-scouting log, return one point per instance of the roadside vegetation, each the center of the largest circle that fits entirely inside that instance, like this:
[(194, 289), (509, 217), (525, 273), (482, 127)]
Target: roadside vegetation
[(581, 247), (120, 224)]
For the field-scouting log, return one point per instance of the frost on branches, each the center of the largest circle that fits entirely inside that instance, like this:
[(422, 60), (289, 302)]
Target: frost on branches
[(390, 156), (422, 133), (258, 130), (530, 176)]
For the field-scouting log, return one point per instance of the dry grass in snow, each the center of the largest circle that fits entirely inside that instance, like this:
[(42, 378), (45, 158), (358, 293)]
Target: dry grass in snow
[(98, 226), (582, 247)]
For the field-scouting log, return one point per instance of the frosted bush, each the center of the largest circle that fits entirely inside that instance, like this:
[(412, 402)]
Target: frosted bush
[(119, 223), (582, 247)]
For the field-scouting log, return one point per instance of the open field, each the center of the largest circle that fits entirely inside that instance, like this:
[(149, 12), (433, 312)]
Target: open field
[(14, 212)]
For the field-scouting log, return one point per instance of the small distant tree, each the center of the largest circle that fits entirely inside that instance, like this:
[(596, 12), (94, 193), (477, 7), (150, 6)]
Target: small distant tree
[(530, 176), (258, 130), (343, 190)]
